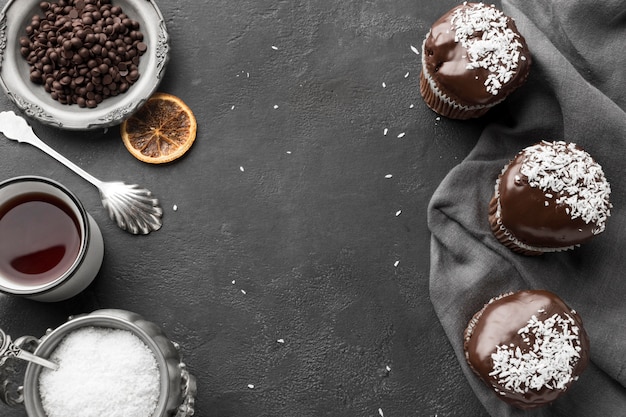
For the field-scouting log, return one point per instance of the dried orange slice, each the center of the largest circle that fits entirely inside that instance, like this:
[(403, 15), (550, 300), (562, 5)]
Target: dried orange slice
[(162, 130)]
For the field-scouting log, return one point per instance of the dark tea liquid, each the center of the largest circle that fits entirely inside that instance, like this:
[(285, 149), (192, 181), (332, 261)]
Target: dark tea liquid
[(39, 239)]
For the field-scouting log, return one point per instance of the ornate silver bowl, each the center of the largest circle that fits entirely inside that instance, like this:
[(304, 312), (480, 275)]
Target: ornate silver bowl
[(178, 386), (37, 103)]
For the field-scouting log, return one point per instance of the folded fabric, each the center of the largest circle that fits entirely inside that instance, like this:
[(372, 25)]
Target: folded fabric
[(576, 93)]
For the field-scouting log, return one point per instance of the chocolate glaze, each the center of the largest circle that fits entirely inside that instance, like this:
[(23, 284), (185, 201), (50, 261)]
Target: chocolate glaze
[(524, 213), (498, 323), (446, 61)]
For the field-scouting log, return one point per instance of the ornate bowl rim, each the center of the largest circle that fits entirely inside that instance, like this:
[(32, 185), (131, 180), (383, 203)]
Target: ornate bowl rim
[(36, 103)]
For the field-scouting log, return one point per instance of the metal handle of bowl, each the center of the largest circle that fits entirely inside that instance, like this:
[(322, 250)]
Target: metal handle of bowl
[(12, 373), (187, 408), (188, 389)]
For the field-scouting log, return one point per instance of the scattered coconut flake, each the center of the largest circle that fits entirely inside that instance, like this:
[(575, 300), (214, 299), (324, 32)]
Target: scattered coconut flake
[(274, 47), (241, 169), (396, 263), (288, 152), (411, 106), (385, 130), (233, 282), (388, 368), (275, 106), (398, 213), (380, 411), (401, 135), (232, 107), (415, 50), (406, 75), (243, 292), (389, 176), (281, 340), (251, 386), (384, 85), (175, 207)]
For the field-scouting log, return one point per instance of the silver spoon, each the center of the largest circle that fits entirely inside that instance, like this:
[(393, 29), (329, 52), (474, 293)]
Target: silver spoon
[(8, 349), (133, 208)]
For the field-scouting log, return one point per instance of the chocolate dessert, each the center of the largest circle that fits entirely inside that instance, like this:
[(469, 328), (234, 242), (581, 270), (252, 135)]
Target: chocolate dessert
[(528, 346), (553, 196), (472, 58)]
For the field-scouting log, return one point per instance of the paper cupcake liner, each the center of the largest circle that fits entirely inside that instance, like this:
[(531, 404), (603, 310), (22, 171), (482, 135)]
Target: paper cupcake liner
[(442, 104), (505, 237)]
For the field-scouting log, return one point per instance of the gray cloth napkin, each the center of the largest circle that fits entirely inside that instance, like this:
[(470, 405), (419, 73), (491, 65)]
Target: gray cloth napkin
[(577, 93)]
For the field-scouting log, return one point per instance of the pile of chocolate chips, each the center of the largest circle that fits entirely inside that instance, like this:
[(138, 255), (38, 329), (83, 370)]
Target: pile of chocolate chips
[(83, 51)]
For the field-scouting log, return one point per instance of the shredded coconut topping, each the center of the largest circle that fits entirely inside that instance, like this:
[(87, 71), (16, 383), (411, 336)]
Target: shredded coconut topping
[(570, 176), (490, 44), (552, 350)]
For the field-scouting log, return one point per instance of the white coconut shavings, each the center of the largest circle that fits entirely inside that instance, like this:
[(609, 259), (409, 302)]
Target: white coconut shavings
[(570, 176), (496, 50), (547, 361), (102, 372)]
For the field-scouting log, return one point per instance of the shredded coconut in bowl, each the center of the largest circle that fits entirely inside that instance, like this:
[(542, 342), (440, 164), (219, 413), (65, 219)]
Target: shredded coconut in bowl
[(102, 373)]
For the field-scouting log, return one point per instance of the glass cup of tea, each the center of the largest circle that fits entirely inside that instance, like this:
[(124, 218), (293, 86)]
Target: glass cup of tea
[(50, 248)]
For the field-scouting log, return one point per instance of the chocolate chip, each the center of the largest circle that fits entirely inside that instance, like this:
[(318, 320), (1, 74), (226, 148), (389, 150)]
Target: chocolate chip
[(82, 51)]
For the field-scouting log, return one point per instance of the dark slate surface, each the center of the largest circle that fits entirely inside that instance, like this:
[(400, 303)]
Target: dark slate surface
[(286, 226)]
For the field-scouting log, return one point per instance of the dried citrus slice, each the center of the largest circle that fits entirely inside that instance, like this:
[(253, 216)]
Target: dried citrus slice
[(162, 130)]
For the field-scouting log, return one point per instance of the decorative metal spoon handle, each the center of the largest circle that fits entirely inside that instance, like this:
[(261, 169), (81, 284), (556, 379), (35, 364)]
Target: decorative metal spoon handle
[(8, 349), (16, 128), (133, 208)]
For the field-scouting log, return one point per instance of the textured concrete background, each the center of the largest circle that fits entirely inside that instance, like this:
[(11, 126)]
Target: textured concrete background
[(288, 225)]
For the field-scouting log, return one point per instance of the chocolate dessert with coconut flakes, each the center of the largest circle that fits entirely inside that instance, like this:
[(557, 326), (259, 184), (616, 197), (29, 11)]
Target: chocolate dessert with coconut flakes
[(528, 346), (551, 197), (472, 58)]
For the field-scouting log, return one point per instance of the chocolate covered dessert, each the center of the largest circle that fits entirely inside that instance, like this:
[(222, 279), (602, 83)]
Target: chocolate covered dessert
[(529, 347), (472, 58), (551, 197)]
